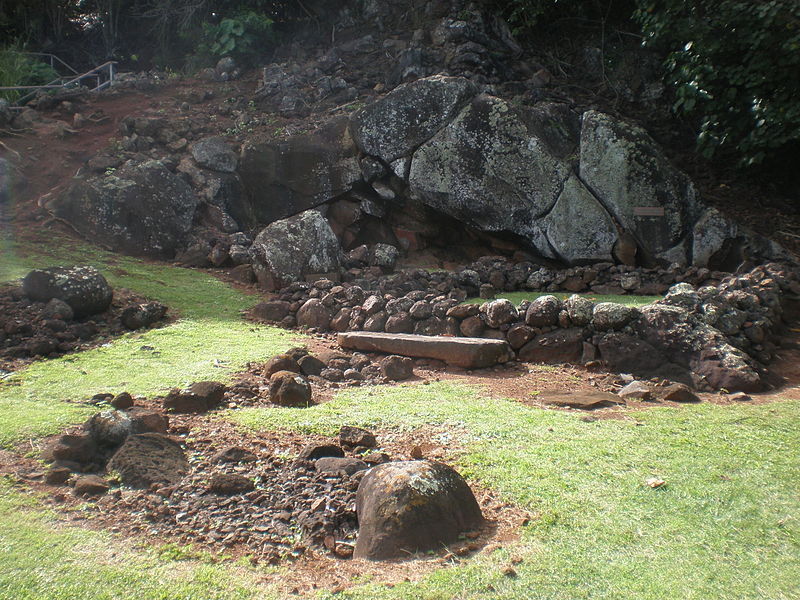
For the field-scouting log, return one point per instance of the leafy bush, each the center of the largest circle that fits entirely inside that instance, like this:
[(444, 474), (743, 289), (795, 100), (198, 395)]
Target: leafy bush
[(736, 66), (240, 36), (16, 68)]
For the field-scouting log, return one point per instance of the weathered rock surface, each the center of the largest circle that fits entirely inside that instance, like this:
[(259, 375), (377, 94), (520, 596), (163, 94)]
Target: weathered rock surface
[(140, 209), (213, 153), (469, 353), (288, 249), (285, 178), (396, 125), (626, 170), (84, 289), (287, 388), (406, 507), (495, 167), (148, 458)]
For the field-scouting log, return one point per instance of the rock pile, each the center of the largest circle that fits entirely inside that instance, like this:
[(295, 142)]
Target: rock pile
[(712, 336), (60, 309)]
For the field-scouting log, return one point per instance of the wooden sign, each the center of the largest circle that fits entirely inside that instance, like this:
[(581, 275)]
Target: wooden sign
[(648, 211)]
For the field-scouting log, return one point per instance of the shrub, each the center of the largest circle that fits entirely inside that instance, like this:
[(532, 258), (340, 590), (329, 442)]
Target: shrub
[(16, 68), (736, 66), (242, 36)]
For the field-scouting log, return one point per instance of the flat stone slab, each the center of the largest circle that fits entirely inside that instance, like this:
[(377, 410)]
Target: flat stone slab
[(582, 400), (469, 353)]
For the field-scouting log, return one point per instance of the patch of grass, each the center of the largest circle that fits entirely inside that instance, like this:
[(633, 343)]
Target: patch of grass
[(41, 558), (517, 297), (725, 526), (210, 340)]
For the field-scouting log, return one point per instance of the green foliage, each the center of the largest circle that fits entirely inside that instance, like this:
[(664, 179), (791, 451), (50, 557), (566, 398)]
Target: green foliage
[(16, 68), (242, 36), (735, 65)]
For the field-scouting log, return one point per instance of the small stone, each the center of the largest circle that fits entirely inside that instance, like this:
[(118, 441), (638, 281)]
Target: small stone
[(678, 392), (739, 397), (57, 476), (397, 368), (355, 436), (91, 485), (122, 401), (636, 390), (230, 484), (316, 451), (287, 388)]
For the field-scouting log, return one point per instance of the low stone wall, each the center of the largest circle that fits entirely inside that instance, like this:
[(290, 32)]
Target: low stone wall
[(711, 330)]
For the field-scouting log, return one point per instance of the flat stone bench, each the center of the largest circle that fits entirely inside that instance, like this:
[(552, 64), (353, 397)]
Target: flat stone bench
[(469, 353)]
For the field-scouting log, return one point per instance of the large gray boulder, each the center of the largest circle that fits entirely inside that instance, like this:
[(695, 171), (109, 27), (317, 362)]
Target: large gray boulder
[(651, 199), (288, 249), (84, 289), (396, 125), (141, 209), (578, 229), (284, 178), (213, 153), (495, 167), (405, 507)]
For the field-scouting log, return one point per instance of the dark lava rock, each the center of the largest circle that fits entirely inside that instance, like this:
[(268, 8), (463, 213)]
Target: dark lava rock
[(287, 388), (91, 486), (355, 436), (57, 476), (79, 449), (281, 362), (678, 392), (139, 316), (229, 484), (234, 454), (560, 346), (314, 314), (148, 458), (144, 420), (122, 401), (315, 451), (311, 365), (543, 312), (109, 428), (272, 310), (84, 289), (198, 398), (347, 466), (412, 506), (397, 368)]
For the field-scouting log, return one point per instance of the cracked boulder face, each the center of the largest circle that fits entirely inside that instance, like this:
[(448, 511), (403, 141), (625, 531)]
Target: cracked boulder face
[(141, 209), (491, 168), (288, 249), (627, 171), (399, 123), (284, 178)]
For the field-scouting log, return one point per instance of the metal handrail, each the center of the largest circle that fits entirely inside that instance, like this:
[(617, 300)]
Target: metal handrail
[(93, 73), (53, 58)]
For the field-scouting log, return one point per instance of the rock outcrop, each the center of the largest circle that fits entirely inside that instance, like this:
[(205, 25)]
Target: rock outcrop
[(141, 209), (287, 250), (84, 289)]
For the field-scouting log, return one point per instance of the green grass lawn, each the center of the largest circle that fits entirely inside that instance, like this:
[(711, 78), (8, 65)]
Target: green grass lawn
[(725, 525), (517, 297), (209, 340), (41, 558)]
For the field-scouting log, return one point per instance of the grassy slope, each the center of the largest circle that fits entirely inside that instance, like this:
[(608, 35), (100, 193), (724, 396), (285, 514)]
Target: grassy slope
[(41, 559), (209, 341), (725, 526)]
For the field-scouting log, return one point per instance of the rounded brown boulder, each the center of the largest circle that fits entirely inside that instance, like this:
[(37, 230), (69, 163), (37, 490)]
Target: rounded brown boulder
[(287, 388), (148, 458), (412, 506)]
